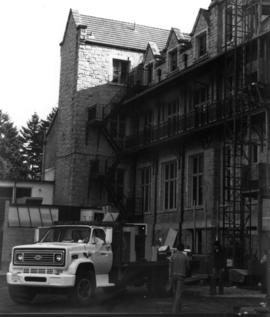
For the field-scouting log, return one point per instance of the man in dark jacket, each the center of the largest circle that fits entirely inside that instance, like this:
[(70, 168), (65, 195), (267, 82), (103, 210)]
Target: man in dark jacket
[(180, 267), (217, 266)]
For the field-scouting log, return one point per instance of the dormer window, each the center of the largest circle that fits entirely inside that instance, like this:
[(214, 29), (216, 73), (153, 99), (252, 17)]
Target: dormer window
[(173, 60), (201, 44), (149, 73), (120, 71), (159, 75), (229, 24), (185, 60)]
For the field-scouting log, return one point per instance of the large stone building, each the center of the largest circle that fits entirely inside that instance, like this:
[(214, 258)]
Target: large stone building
[(170, 128)]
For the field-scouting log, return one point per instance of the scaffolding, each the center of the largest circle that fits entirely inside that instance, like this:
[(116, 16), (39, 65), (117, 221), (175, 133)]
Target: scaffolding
[(241, 25)]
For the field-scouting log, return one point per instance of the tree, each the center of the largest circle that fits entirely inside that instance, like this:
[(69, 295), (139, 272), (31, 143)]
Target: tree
[(32, 138), (32, 147), (10, 157), (45, 124)]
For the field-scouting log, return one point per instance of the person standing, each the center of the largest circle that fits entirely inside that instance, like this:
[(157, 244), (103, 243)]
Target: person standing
[(180, 266), (218, 267), (263, 270)]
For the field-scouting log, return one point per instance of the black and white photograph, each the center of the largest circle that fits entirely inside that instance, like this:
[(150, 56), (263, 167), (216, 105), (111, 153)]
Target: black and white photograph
[(135, 158)]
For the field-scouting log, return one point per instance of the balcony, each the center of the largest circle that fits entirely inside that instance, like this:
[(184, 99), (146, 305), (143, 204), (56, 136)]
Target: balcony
[(203, 116)]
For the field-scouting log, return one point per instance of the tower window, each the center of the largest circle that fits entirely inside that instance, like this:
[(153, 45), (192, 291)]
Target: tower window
[(120, 71)]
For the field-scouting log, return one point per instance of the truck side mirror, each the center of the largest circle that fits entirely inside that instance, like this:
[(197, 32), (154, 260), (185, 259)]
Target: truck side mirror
[(109, 233)]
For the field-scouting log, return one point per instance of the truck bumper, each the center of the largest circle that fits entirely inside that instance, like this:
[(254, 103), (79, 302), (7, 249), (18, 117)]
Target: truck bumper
[(61, 280)]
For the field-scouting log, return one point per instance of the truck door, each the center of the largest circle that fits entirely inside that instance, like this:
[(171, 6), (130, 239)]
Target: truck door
[(101, 253)]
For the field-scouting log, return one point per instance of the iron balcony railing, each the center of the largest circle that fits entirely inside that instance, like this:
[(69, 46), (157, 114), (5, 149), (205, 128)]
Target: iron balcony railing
[(202, 116)]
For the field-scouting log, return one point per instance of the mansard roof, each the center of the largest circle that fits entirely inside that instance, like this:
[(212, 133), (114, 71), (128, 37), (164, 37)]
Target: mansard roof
[(120, 34)]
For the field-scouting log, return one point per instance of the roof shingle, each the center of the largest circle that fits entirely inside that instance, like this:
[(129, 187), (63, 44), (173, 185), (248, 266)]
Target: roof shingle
[(123, 34)]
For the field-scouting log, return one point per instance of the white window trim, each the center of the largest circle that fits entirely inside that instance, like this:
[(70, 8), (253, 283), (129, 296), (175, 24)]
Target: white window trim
[(144, 167), (162, 187)]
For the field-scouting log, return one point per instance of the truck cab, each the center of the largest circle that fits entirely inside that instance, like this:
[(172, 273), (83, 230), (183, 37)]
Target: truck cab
[(77, 258), (59, 260)]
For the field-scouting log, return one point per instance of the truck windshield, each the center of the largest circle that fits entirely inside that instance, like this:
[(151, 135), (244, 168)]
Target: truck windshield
[(67, 234)]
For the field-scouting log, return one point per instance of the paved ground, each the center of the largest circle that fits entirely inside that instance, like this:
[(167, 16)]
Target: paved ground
[(196, 300)]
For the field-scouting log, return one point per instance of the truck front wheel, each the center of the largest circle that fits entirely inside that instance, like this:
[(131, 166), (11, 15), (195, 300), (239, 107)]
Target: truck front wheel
[(21, 295), (83, 290)]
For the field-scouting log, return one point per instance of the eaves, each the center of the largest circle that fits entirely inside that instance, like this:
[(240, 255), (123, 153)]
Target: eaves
[(89, 42), (180, 75)]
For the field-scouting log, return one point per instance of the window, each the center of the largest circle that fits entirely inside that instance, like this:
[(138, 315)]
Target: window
[(117, 127), (159, 74), (254, 153), (229, 24), (173, 60), (146, 188), (23, 192), (169, 173), (98, 236), (200, 95), (196, 180), (120, 71), (6, 192), (185, 60), (149, 73), (120, 174), (148, 118), (201, 44), (70, 234)]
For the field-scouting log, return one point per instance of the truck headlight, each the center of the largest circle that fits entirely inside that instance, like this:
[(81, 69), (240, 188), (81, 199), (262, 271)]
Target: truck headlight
[(58, 257), (19, 257)]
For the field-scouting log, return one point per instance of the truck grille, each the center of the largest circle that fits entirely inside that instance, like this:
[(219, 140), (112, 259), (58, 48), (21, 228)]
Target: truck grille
[(39, 257)]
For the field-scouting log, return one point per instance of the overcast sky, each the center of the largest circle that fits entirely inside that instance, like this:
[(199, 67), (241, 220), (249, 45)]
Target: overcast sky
[(30, 33)]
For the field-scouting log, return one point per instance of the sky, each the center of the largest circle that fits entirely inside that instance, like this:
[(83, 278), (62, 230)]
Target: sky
[(30, 34)]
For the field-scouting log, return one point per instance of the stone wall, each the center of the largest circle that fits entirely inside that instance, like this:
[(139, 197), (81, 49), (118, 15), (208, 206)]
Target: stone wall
[(86, 75)]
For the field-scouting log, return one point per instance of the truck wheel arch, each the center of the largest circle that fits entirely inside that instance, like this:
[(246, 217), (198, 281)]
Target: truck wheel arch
[(79, 263), (85, 284)]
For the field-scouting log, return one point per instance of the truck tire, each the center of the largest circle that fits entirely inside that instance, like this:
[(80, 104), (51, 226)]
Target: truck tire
[(83, 290), (21, 295)]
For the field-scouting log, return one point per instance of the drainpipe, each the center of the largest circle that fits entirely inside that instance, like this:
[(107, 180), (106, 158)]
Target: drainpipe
[(183, 162), (155, 199)]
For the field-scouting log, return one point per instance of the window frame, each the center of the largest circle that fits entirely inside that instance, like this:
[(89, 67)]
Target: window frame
[(122, 76), (173, 60), (146, 184), (150, 73), (169, 186), (228, 29), (202, 34), (196, 179)]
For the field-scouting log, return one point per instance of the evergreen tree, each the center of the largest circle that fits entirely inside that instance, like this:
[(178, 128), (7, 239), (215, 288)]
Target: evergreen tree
[(32, 147), (47, 122), (32, 139), (10, 157)]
